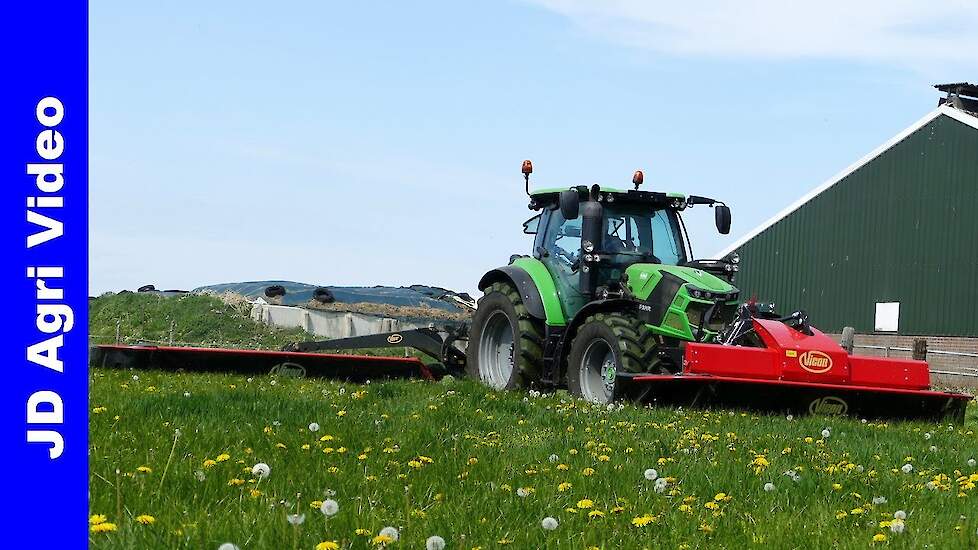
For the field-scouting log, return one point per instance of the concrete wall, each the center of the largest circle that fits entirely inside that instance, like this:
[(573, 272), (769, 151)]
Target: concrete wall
[(966, 367), (329, 324)]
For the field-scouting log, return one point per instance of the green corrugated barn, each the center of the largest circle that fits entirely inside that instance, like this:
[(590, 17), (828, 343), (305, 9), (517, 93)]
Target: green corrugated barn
[(888, 246)]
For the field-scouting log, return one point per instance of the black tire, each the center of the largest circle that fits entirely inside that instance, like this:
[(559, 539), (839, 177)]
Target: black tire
[(630, 342), (323, 296), (274, 290), (527, 352)]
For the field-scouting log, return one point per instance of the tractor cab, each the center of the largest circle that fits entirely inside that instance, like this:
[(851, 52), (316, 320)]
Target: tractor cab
[(590, 239)]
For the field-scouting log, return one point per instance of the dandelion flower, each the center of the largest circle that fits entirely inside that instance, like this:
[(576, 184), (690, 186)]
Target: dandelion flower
[(314, 427), (223, 457), (549, 523), (328, 545), (523, 492), (146, 519), (563, 486), (651, 474), (585, 503), (897, 526), (96, 519), (907, 468), (595, 514), (261, 470), (390, 533), (104, 527), (971, 462), (434, 542), (900, 515), (768, 487), (144, 470), (329, 507), (879, 537), (642, 521), (826, 433)]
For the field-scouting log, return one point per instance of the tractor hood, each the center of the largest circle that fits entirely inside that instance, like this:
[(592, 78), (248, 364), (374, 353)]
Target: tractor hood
[(643, 278)]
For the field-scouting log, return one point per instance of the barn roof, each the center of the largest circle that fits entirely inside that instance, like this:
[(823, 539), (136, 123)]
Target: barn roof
[(945, 110)]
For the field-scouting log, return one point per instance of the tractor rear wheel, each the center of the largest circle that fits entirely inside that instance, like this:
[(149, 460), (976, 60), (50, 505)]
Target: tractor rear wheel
[(505, 343), (606, 344)]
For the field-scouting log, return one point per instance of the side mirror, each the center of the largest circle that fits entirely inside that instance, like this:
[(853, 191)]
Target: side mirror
[(570, 204), (532, 225), (722, 213)]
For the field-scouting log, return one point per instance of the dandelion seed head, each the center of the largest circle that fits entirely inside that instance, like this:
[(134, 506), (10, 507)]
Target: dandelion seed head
[(900, 515), (549, 523), (329, 507), (651, 474), (434, 542), (227, 546), (296, 519), (897, 526), (390, 532), (313, 427), (261, 470), (907, 468), (769, 487)]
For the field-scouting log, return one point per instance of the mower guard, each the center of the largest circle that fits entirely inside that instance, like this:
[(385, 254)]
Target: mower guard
[(797, 372), (353, 368)]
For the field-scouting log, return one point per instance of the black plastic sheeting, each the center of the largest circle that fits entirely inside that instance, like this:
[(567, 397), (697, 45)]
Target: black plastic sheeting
[(301, 293)]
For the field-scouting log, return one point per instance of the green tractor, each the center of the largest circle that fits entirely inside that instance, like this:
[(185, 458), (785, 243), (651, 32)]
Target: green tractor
[(609, 291)]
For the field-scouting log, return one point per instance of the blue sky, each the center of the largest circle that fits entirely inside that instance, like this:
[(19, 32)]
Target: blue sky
[(364, 143)]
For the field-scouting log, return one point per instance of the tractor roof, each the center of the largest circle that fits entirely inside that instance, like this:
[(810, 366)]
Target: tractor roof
[(543, 197)]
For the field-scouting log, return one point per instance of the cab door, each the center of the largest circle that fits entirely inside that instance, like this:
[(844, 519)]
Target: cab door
[(560, 250)]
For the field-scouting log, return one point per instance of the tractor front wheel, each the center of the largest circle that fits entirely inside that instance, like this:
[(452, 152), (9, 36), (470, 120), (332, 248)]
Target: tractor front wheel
[(505, 343), (606, 344)]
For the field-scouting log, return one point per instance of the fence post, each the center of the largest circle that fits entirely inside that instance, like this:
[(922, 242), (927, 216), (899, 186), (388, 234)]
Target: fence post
[(920, 349)]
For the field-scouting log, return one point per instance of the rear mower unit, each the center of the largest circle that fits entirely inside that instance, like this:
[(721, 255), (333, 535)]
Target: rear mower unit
[(610, 304)]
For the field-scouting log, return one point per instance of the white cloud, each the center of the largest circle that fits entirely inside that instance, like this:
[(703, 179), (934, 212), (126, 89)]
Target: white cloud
[(901, 32)]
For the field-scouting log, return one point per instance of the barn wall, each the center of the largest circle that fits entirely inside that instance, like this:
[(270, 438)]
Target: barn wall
[(902, 228)]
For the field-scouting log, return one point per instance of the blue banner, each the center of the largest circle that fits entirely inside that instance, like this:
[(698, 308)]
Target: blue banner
[(44, 186)]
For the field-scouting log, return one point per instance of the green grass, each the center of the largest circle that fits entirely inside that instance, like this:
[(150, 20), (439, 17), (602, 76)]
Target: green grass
[(380, 480)]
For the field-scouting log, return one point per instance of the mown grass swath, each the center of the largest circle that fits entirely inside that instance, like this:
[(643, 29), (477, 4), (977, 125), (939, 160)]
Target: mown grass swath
[(484, 469)]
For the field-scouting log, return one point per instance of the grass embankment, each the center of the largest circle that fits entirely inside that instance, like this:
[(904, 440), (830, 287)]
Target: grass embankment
[(484, 469)]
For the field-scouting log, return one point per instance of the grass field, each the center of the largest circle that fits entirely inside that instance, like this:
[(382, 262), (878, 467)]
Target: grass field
[(483, 469)]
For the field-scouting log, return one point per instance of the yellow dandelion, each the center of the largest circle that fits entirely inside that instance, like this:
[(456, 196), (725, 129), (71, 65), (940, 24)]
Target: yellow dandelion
[(361, 532), (104, 527), (235, 482), (146, 519), (564, 486), (208, 463), (643, 520), (144, 470), (223, 457), (879, 537), (96, 519), (382, 539), (595, 514), (587, 472), (328, 545), (585, 503)]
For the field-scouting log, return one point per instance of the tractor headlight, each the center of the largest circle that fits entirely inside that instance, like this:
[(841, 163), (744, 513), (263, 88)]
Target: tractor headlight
[(588, 246)]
